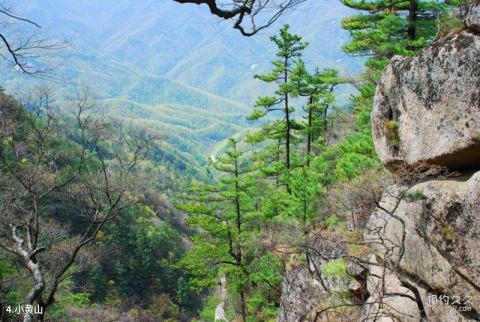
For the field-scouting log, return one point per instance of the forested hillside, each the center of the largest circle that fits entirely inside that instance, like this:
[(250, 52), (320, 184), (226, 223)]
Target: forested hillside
[(170, 169), (158, 59)]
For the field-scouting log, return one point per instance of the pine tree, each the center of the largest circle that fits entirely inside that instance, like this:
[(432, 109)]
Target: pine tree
[(318, 90), (391, 27), (223, 212), (290, 47), (383, 28)]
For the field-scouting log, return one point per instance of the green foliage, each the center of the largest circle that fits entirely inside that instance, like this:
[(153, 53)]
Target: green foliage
[(383, 29), (267, 271), (58, 311), (448, 232), (66, 299), (451, 22), (379, 33), (184, 295), (261, 304), (318, 89), (225, 215), (266, 308), (147, 253), (208, 310), (332, 220), (144, 242), (8, 295), (348, 159), (282, 130), (289, 162), (335, 268), (391, 130), (221, 211), (391, 28), (412, 196)]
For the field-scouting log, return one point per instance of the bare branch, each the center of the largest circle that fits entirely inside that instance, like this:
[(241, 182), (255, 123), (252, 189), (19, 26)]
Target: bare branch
[(24, 50), (251, 16)]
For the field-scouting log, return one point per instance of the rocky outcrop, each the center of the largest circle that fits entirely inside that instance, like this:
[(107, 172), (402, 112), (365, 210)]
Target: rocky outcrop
[(427, 108), (427, 238), (306, 289), (314, 289), (422, 261), (301, 293)]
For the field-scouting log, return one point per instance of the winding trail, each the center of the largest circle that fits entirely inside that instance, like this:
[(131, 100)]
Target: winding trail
[(220, 309)]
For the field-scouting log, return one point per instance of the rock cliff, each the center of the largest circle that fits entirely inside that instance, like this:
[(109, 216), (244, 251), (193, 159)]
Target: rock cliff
[(306, 286), (427, 108), (426, 236), (423, 235)]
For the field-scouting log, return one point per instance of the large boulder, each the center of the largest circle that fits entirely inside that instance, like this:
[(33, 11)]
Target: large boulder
[(427, 108), (426, 242), (425, 238)]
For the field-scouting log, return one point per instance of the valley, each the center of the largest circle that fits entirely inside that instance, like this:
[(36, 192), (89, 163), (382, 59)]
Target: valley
[(175, 161), (178, 61)]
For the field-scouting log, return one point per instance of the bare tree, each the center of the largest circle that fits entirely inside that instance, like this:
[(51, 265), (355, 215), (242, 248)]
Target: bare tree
[(96, 177), (22, 45), (250, 16)]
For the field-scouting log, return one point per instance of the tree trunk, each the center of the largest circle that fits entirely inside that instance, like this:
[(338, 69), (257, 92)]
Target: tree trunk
[(288, 129), (412, 20), (244, 306), (33, 267), (309, 133)]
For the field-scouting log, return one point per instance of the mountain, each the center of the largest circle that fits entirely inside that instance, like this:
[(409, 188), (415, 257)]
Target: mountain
[(172, 66)]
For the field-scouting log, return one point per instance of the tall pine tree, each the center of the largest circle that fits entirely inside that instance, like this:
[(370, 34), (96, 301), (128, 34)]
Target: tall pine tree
[(290, 47), (390, 27), (318, 89), (223, 214)]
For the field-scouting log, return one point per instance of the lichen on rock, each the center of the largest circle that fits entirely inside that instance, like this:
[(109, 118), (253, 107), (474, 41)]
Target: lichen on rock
[(472, 16), (434, 100), (423, 259), (431, 245)]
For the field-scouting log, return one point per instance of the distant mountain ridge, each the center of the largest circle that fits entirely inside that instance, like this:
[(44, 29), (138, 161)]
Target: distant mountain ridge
[(160, 53)]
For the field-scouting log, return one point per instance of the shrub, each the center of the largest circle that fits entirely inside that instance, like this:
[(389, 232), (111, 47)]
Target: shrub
[(391, 127), (414, 196)]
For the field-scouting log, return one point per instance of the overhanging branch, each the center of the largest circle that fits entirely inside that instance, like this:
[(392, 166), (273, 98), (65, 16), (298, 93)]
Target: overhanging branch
[(251, 16)]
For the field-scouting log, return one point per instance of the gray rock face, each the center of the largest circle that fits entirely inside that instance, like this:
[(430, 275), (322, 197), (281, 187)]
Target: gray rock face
[(472, 16), (426, 238), (305, 290), (423, 258), (429, 245), (427, 108), (301, 293)]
